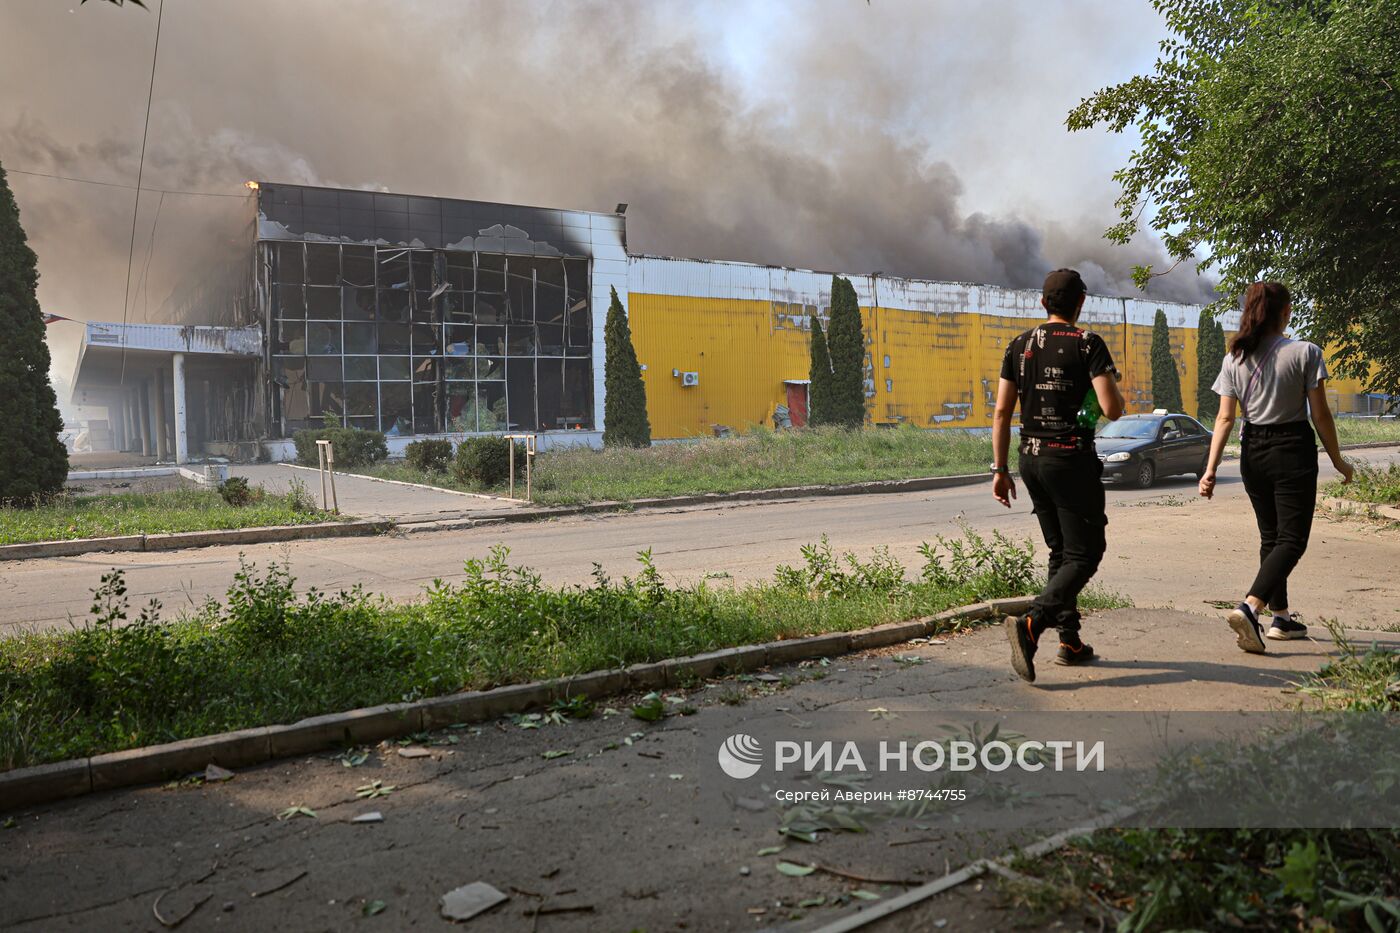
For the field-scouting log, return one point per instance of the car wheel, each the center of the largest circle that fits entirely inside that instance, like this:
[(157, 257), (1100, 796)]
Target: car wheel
[(1146, 474), (1201, 470)]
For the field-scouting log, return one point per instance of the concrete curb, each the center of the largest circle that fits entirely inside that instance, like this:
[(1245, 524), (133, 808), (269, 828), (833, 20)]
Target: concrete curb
[(186, 539), (24, 787), (1368, 509), (544, 513)]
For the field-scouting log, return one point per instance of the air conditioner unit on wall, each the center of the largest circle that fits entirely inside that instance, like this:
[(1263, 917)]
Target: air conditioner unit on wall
[(690, 379)]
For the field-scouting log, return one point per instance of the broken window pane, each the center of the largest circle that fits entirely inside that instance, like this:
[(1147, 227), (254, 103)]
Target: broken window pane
[(490, 273), (357, 265), (427, 340), (550, 392), (357, 304), (288, 301), (425, 308), (490, 309), (322, 264), (490, 341), (461, 270), (457, 308), (323, 369), (520, 390), (361, 369), (459, 368), (551, 338), (393, 268), (395, 409), (427, 409), (549, 304), (394, 368), (322, 303), (459, 339), (421, 269), (393, 305), (491, 406), (425, 370), (549, 272), (520, 293), (290, 377), (322, 338), (360, 338), (461, 407), (393, 338), (490, 367), (520, 340), (287, 265), (291, 337), (361, 398), (576, 404), (327, 398)]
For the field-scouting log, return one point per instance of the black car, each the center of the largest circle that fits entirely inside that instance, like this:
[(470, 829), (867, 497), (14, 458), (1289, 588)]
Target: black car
[(1138, 449)]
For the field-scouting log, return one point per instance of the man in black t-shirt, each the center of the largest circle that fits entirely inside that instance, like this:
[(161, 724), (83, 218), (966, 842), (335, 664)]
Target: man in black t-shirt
[(1053, 370)]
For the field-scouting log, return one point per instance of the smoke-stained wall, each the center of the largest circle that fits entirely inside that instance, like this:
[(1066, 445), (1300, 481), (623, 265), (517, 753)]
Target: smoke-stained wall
[(934, 349)]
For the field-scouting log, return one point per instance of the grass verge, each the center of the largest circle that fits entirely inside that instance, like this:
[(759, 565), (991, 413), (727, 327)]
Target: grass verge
[(267, 654), (760, 460), (1368, 430), (1237, 879), (1379, 485), (69, 516)]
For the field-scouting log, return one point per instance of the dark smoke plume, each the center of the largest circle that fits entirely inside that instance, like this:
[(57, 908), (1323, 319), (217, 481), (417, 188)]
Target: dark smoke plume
[(834, 148)]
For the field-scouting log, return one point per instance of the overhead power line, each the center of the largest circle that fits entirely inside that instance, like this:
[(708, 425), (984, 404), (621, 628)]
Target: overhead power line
[(140, 171), (114, 184)]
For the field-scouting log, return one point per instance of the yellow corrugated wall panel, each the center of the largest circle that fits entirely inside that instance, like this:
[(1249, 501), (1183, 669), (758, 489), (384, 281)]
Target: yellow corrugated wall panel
[(942, 370), (732, 344)]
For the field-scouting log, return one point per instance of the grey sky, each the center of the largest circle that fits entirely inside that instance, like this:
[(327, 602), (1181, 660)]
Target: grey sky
[(922, 138)]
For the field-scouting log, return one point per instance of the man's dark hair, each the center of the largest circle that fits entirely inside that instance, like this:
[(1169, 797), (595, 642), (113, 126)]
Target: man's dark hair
[(1062, 291)]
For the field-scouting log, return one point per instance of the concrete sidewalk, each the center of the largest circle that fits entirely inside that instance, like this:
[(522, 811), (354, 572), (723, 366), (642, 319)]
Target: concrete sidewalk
[(608, 825), (369, 498)]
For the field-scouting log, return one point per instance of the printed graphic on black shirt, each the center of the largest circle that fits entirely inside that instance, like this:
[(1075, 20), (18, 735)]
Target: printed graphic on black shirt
[(1053, 367)]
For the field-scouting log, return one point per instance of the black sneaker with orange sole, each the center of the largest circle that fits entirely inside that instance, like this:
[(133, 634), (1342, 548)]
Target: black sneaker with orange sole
[(1021, 635), (1070, 655)]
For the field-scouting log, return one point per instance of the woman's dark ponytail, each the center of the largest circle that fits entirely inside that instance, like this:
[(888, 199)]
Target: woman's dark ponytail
[(1264, 307)]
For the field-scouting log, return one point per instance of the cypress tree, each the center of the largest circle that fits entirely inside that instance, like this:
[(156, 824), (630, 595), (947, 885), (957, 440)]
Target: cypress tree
[(819, 391), (1210, 353), (625, 421), (846, 343), (33, 461), (1166, 381)]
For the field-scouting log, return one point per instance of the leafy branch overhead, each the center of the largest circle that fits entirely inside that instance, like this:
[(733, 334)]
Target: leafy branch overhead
[(1268, 150)]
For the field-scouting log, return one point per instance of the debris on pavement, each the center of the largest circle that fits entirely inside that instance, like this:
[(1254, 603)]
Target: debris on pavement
[(286, 882), (469, 900), (213, 774), (373, 816), (415, 751)]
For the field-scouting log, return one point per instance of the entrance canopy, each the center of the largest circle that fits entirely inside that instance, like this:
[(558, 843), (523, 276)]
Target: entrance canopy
[(134, 368)]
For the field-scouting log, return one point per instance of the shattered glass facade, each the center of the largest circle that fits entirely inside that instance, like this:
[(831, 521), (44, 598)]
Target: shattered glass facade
[(415, 315)]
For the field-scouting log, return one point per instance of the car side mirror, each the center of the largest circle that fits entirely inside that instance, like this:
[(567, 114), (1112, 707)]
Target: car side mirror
[(1171, 435)]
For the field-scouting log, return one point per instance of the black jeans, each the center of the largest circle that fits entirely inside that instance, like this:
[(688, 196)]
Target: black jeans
[(1279, 466), (1067, 491)]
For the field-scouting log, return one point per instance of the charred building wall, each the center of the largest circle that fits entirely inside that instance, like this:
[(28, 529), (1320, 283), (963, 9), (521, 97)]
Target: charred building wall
[(421, 315)]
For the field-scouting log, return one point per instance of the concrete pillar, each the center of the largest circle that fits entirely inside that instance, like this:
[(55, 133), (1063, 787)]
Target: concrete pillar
[(182, 443), (129, 442), (162, 441), (143, 400)]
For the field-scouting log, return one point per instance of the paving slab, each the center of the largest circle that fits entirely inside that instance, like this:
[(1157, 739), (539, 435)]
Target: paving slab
[(607, 826)]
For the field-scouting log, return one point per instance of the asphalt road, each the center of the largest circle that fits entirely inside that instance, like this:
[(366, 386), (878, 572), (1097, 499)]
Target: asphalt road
[(1167, 547)]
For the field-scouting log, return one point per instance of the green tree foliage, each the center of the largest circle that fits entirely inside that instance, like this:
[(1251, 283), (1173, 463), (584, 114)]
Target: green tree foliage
[(1210, 353), (846, 343), (1268, 145), (1166, 381), (33, 461), (625, 403), (819, 391)]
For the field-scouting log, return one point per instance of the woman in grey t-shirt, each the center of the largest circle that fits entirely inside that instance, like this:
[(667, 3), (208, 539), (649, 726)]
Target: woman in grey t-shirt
[(1278, 383)]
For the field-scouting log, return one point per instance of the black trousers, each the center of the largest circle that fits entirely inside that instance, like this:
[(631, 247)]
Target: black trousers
[(1279, 467), (1067, 492)]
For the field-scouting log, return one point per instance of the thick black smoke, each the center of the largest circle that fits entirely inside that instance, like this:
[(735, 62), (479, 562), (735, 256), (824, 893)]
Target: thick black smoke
[(839, 153)]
